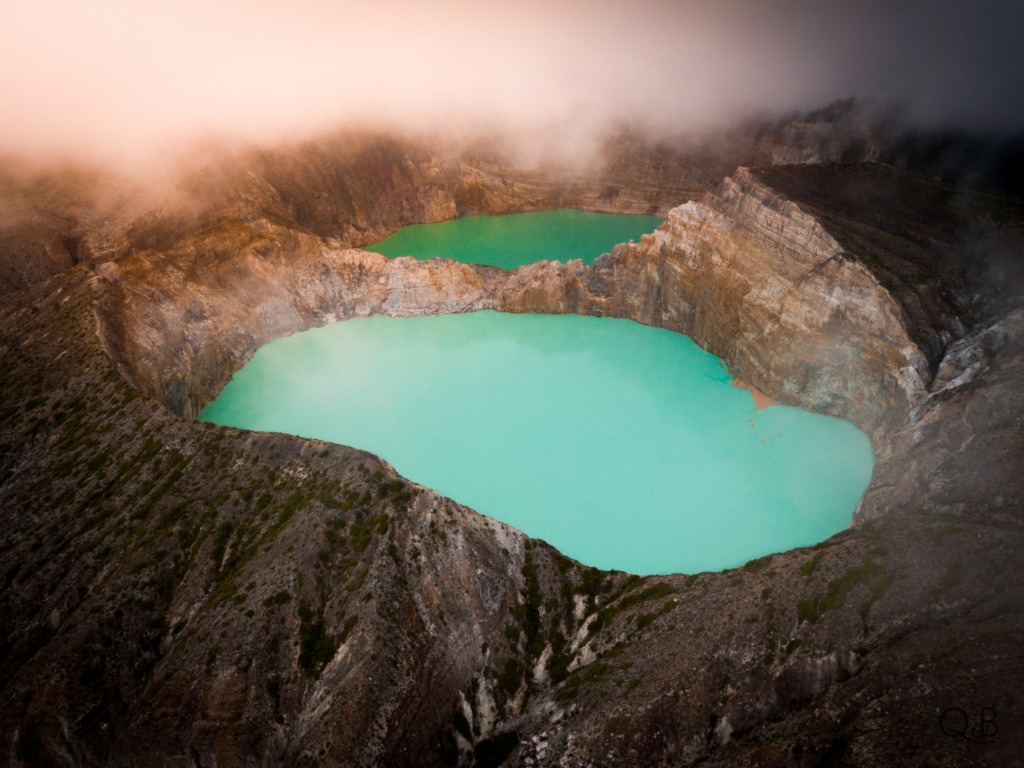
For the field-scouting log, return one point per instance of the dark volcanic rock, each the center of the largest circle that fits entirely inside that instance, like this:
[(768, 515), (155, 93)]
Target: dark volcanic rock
[(175, 593)]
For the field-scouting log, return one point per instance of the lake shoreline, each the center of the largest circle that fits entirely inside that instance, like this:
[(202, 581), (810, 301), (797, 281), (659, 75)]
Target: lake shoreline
[(761, 400)]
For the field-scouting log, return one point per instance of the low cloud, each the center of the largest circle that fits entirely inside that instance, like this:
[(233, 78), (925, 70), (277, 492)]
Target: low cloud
[(124, 80)]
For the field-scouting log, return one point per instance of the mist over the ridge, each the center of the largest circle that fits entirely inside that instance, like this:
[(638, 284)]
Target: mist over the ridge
[(123, 80)]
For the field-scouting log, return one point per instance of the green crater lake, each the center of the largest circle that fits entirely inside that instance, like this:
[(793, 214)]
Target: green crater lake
[(624, 446), (517, 239)]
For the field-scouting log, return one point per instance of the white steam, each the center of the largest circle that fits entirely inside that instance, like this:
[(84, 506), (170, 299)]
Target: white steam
[(126, 79)]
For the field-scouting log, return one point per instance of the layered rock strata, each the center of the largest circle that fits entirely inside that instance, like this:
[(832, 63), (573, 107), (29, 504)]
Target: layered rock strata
[(746, 273)]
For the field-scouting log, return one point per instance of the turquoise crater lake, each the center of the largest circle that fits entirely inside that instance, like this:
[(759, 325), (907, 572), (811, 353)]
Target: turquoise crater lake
[(517, 239), (624, 446)]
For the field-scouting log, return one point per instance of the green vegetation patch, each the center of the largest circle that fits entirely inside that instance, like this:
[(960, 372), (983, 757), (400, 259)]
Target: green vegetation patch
[(758, 564), (808, 568), (364, 528), (868, 574), (645, 619), (629, 598)]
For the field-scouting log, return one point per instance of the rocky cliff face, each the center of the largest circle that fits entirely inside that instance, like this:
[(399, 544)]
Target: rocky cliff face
[(746, 272), (974, 401), (753, 278), (192, 594)]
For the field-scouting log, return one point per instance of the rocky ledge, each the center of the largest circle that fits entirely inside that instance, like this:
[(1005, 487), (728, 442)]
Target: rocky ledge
[(180, 593)]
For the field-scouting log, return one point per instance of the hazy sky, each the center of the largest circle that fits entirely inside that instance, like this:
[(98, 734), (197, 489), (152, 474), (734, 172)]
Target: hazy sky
[(123, 78)]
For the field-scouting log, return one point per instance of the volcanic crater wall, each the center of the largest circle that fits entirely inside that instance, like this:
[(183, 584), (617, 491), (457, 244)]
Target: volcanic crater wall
[(746, 273), (175, 592)]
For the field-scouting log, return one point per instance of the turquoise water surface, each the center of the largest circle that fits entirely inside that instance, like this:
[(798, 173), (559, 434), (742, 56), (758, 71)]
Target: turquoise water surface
[(624, 446), (521, 238)]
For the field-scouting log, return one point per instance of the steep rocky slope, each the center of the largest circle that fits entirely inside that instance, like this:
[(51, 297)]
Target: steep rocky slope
[(191, 592), (179, 593), (817, 306)]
